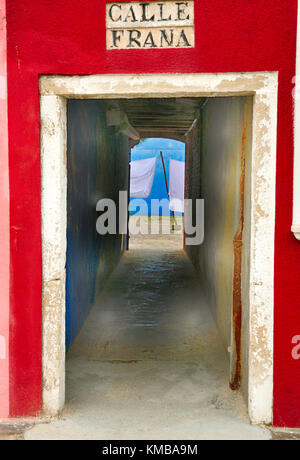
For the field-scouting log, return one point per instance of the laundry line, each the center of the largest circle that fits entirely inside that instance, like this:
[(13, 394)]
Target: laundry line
[(142, 176)]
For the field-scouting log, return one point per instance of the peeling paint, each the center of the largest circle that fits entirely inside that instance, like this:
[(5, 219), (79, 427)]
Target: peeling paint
[(53, 160)]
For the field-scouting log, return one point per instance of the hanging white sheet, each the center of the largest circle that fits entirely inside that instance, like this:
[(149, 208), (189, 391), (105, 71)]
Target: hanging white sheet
[(176, 189), (141, 177)]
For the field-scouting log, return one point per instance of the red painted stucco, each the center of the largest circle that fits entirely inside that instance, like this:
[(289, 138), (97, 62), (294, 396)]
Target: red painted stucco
[(4, 224), (67, 37)]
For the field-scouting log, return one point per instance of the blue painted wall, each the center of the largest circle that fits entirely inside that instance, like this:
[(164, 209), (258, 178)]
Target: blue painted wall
[(150, 148), (97, 158)]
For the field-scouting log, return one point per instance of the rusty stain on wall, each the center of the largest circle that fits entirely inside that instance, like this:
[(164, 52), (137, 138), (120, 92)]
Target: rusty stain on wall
[(235, 381)]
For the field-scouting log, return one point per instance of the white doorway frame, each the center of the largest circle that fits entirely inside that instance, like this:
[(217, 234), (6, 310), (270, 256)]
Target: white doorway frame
[(54, 92)]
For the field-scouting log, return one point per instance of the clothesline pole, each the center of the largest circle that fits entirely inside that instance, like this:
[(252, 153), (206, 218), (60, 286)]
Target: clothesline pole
[(166, 180)]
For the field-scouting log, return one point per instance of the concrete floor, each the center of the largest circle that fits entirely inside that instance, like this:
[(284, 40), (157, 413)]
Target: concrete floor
[(149, 363)]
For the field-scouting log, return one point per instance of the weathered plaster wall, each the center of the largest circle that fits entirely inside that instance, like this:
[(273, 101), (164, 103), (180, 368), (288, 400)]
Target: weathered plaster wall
[(4, 223), (97, 158), (220, 152), (68, 38)]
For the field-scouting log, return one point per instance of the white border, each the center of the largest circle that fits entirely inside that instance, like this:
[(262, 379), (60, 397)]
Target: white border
[(263, 86), (296, 205)]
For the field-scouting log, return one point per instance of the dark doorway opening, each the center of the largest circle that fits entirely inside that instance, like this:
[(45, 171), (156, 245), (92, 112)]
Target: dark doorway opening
[(159, 304)]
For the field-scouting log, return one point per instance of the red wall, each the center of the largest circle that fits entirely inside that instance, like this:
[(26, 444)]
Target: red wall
[(68, 37), (4, 224)]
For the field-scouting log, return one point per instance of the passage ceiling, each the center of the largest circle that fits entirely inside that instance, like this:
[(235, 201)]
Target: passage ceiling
[(171, 118)]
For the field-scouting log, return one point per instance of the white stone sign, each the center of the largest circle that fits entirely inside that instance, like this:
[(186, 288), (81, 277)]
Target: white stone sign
[(150, 25)]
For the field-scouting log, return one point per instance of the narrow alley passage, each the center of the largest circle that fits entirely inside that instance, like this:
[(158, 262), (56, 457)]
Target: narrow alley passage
[(149, 363), (151, 308)]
